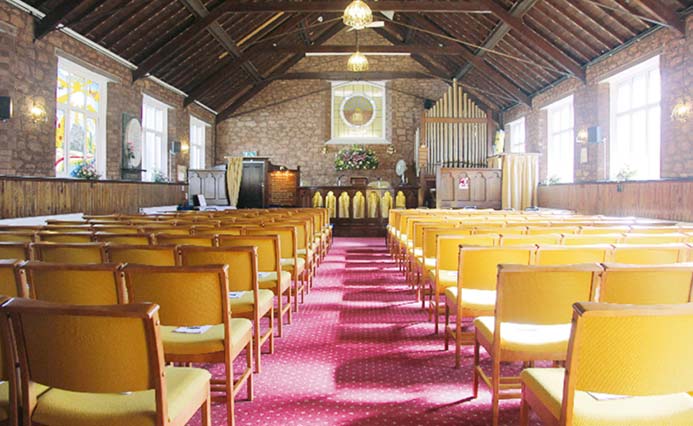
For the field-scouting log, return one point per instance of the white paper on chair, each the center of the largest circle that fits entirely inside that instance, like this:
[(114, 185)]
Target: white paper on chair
[(235, 294), (606, 396), (262, 275), (193, 330)]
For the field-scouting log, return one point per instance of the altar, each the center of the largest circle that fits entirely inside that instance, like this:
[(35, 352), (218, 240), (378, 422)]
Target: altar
[(359, 210)]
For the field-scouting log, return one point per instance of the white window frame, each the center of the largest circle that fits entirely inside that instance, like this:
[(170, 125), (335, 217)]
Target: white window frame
[(100, 116), (557, 152), (150, 102), (517, 135), (197, 147), (652, 149), (337, 113)]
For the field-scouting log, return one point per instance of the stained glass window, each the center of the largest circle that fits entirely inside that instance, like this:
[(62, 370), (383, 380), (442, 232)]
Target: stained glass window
[(79, 132), (358, 112)]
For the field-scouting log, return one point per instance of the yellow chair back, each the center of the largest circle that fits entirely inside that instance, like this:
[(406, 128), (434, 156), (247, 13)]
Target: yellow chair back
[(630, 350), (17, 236), (104, 349), (65, 237), (646, 284), (18, 250), (448, 248), (648, 254), (131, 239), (538, 230), (189, 240), (242, 260), (433, 232), (654, 238), (69, 252), (478, 266), (525, 240), (590, 239), (187, 295), (73, 284), (159, 255), (10, 284), (268, 249), (567, 255), (543, 294), (287, 239)]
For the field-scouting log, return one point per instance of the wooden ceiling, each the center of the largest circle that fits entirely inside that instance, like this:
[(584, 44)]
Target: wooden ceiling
[(222, 53)]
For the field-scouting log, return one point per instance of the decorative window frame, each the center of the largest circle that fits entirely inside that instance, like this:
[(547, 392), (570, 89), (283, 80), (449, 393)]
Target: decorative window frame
[(100, 117), (197, 123), (554, 108), (358, 140), (165, 161), (515, 128)]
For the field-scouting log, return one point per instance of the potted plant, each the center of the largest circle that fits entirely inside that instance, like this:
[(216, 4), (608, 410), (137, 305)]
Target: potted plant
[(85, 170)]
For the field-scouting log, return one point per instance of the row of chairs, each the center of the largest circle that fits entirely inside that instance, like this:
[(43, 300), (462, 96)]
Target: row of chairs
[(518, 297), (253, 290)]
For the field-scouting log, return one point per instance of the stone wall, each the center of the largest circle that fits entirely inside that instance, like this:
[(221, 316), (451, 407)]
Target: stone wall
[(28, 71), (591, 105), (293, 133)]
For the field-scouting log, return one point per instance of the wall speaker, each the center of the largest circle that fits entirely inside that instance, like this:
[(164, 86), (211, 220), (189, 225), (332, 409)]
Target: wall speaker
[(175, 147), (594, 134), (5, 108), (428, 103)]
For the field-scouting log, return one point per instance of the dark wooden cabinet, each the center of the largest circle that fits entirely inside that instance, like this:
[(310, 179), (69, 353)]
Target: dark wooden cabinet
[(252, 194)]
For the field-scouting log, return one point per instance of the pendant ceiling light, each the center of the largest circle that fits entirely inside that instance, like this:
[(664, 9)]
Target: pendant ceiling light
[(357, 61), (357, 15)]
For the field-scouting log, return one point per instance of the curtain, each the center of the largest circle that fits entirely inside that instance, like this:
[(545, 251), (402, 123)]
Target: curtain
[(317, 200), (234, 173), (386, 205), (359, 205), (343, 202), (400, 200), (373, 202), (520, 180)]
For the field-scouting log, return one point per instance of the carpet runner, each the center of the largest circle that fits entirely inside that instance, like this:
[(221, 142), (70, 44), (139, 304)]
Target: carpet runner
[(362, 352)]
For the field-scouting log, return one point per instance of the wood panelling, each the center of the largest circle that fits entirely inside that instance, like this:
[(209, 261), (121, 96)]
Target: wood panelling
[(23, 197), (482, 188), (671, 200), (211, 183)]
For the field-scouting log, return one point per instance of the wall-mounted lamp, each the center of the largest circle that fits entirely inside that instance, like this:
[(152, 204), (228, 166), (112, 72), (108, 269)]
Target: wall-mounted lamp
[(582, 136), (682, 110), (37, 113), (324, 149), (184, 147), (390, 149)]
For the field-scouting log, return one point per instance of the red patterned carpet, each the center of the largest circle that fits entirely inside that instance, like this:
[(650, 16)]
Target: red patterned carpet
[(362, 352)]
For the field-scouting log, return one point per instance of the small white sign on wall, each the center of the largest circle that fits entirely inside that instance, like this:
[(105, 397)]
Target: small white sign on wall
[(463, 183)]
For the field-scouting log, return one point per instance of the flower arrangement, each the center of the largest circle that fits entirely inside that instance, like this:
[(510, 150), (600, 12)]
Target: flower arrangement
[(158, 176), (130, 150), (85, 170), (355, 158)]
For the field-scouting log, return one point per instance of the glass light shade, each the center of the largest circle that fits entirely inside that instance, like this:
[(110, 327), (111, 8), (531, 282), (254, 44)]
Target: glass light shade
[(357, 62), (682, 110), (357, 15)]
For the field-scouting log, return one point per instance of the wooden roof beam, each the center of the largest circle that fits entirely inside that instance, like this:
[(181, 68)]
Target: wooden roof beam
[(221, 35), (277, 71), (218, 77), (430, 6), (519, 10), (526, 33), (348, 75), (665, 15), (339, 49), (55, 18), (488, 71)]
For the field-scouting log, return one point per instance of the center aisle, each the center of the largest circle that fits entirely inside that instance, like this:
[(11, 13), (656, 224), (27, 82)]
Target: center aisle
[(362, 352)]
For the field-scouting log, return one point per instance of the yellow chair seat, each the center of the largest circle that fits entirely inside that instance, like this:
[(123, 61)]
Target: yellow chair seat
[(547, 385), (288, 263), (268, 280), (211, 341), (244, 304), (61, 407), (447, 278), (418, 252), (527, 337), (304, 253), (475, 300), (429, 263), (4, 401)]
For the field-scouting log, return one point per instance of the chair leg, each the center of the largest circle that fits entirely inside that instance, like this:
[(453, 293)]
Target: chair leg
[(436, 304), (458, 338), (249, 366), (230, 411), (447, 324), (524, 409), (206, 411), (256, 342), (280, 313), (495, 390), (475, 382), (271, 335)]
